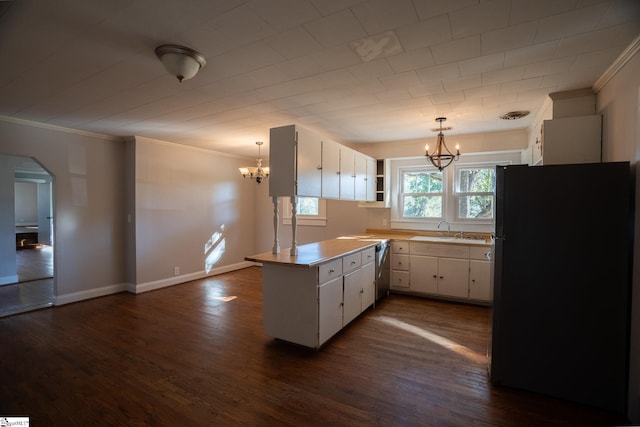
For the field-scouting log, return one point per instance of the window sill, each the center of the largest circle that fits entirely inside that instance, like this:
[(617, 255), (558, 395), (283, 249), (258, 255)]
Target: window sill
[(317, 222)]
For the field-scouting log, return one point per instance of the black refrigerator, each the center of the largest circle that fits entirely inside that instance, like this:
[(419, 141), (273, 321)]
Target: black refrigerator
[(560, 317)]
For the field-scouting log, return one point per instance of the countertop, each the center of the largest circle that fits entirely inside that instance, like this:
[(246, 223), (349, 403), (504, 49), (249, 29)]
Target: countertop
[(312, 254)]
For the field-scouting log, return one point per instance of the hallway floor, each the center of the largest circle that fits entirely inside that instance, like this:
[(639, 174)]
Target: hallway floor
[(35, 287)]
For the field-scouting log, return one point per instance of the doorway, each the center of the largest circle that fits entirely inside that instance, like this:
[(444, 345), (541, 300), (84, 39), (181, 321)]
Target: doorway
[(32, 284)]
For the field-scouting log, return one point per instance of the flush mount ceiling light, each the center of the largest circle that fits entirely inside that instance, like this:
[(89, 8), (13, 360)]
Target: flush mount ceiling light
[(514, 115), (180, 61), (256, 172), (441, 157)]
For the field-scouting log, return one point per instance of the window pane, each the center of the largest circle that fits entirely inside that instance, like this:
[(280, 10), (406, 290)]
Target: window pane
[(422, 182), (475, 207), (422, 206), (481, 180), (307, 206)]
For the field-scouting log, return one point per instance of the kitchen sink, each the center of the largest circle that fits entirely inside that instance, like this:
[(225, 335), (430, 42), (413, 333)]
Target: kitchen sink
[(445, 239)]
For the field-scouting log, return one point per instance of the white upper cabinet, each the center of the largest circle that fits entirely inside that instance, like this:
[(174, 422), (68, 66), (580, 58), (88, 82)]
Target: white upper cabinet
[(361, 177), (372, 168), (347, 173), (302, 163), (309, 163), (294, 162), (330, 169)]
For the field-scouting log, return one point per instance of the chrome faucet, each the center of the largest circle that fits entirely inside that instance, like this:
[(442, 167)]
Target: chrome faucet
[(448, 228)]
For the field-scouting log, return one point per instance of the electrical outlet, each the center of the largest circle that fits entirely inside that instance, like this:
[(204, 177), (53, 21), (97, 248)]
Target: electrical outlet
[(176, 271)]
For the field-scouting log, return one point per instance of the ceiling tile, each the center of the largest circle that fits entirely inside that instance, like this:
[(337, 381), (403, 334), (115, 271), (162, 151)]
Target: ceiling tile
[(377, 16), (482, 64), (430, 8), (293, 43), (284, 14), (570, 23), (502, 76), (509, 38), (527, 10), (412, 60), (486, 16), (530, 54), (552, 66), (430, 75), (425, 33), (341, 27), (456, 50)]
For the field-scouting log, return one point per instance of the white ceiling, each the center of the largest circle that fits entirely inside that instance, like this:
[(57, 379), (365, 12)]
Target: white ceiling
[(354, 70)]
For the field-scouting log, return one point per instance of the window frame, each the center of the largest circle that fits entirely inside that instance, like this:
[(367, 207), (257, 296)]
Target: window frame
[(319, 220), (457, 193), (401, 194)]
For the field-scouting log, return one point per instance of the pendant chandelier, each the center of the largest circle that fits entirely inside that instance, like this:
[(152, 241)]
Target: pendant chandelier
[(441, 157), (256, 172)]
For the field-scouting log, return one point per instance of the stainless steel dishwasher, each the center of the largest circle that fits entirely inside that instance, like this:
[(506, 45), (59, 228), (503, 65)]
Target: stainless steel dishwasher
[(382, 269)]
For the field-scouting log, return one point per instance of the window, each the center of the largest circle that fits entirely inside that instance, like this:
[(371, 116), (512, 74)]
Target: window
[(422, 194), (475, 188), (310, 211)]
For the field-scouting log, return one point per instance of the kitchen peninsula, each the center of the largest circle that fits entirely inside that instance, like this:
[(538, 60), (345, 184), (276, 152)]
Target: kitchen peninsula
[(305, 301)]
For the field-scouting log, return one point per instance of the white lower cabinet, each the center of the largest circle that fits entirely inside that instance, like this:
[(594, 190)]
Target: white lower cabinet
[(480, 280), (423, 274), (368, 284), (352, 296), (329, 309), (455, 271), (453, 277), (307, 306)]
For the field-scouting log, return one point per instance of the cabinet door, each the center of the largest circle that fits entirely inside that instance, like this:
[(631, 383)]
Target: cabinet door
[(330, 169), (423, 274), (368, 285), (360, 180), (352, 296), (347, 174), (453, 277), (372, 180), (480, 280), (309, 168), (330, 309)]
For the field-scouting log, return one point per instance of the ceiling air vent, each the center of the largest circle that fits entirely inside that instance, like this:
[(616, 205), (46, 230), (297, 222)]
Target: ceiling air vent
[(514, 115)]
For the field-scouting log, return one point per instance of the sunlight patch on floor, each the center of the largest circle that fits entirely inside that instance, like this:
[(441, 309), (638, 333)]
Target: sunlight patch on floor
[(434, 338), (225, 299)]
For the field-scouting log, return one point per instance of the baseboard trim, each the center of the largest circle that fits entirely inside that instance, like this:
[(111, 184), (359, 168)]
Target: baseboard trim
[(91, 293), (8, 280), (171, 281)]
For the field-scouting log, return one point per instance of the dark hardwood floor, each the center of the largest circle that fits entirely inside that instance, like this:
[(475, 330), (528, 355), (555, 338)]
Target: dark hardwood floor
[(195, 354)]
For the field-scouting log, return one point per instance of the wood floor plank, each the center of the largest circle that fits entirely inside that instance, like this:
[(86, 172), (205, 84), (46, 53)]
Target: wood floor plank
[(196, 354)]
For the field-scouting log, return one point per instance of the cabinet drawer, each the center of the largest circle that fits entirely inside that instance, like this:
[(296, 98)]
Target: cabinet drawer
[(435, 249), (330, 270), (399, 262), (368, 255), (484, 253), (400, 279), (351, 262), (400, 247)]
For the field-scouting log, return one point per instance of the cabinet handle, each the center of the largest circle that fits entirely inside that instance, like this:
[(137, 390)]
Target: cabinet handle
[(473, 280), (353, 262), (435, 276), (362, 291), (319, 168), (332, 271), (441, 277)]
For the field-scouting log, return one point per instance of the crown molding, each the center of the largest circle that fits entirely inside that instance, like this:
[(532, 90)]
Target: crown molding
[(30, 123), (620, 62)]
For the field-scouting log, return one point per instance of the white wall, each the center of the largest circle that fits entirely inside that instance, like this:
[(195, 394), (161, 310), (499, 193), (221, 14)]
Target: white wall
[(88, 216), (619, 103), (183, 196), (26, 203)]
